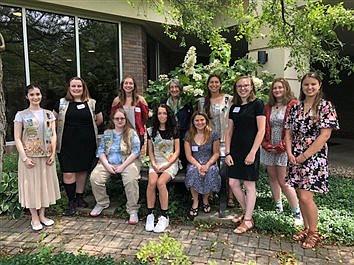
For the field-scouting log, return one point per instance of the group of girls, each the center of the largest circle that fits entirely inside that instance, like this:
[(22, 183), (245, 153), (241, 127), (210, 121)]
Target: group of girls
[(292, 134)]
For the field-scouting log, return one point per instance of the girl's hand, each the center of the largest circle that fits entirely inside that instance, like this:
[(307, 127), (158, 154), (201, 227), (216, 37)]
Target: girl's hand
[(229, 161), (249, 160), (118, 169), (155, 167), (50, 160), (292, 159), (110, 168), (29, 163), (300, 159)]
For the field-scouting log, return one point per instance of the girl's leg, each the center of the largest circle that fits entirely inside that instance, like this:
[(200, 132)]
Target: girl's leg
[(236, 188), (195, 196), (308, 209), (34, 216), (46, 221), (250, 187), (151, 190), (286, 188), (163, 192), (275, 187)]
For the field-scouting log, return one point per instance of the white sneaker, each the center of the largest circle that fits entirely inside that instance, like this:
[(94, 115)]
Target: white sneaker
[(161, 225), (133, 219), (298, 219), (150, 222), (97, 210)]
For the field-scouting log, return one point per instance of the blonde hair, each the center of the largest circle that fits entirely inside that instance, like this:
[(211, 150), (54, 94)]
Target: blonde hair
[(236, 98), (127, 130), (288, 95)]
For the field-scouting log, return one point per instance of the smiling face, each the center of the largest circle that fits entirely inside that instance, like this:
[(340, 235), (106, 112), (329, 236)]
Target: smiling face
[(34, 96), (162, 115), (128, 85), (199, 122), (278, 91), (174, 90), (76, 88), (310, 86), (244, 88), (214, 85)]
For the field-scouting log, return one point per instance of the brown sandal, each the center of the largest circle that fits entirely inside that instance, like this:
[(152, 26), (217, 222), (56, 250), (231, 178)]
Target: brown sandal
[(301, 235), (311, 240), (243, 227), (237, 218)]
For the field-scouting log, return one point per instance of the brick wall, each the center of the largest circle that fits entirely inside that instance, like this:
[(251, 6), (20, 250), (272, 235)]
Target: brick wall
[(135, 54)]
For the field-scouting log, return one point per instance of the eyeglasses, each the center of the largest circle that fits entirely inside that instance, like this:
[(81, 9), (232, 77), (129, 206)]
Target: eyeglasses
[(243, 86), (119, 119)]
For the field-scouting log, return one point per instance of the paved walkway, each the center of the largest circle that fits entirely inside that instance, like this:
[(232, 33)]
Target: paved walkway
[(112, 236)]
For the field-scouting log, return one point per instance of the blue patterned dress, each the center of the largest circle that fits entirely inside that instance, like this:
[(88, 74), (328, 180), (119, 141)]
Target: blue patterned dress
[(211, 181), (312, 175)]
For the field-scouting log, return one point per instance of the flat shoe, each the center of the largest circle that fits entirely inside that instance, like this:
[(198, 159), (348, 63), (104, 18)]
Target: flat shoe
[(243, 227), (47, 222), (37, 227)]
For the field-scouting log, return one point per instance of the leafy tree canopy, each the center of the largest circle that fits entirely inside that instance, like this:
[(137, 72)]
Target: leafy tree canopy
[(309, 29)]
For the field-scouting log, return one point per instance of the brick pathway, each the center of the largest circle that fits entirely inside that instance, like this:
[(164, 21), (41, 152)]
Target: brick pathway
[(111, 236)]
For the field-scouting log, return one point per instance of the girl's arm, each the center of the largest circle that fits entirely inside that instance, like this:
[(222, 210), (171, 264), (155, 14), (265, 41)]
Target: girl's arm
[(288, 142), (216, 153), (152, 155), (257, 140), (99, 118), (228, 136), (316, 146), (53, 140), (189, 156), (19, 145)]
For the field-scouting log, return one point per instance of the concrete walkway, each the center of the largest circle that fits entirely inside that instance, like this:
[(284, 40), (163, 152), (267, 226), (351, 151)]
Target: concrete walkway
[(112, 236)]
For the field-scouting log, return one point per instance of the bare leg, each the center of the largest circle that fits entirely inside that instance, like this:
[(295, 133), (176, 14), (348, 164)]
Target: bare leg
[(308, 209), (274, 184), (163, 192), (151, 190), (195, 195), (34, 216), (235, 185), (286, 188), (250, 198)]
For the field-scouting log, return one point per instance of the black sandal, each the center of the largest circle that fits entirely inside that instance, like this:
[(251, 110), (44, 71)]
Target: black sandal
[(193, 212), (206, 208)]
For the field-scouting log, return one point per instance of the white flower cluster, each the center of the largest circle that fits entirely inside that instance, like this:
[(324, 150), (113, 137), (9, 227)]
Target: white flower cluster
[(189, 61), (163, 77), (215, 64), (188, 89), (258, 83), (198, 92), (197, 77)]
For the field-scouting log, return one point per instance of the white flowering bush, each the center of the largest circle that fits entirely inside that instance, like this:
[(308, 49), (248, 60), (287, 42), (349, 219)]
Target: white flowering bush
[(193, 78)]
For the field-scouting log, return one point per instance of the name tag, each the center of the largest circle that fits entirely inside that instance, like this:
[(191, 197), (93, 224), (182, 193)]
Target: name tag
[(81, 106), (137, 109), (194, 148), (236, 110)]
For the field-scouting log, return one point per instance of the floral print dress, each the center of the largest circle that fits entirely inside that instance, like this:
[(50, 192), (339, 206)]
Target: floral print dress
[(312, 175)]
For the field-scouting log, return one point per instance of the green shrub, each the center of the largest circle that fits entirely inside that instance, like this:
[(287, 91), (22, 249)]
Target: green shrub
[(9, 202), (167, 251), (45, 257)]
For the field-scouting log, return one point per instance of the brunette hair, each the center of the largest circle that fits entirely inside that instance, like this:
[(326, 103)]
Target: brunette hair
[(236, 98), (127, 127), (32, 86), (208, 96), (123, 96), (171, 124), (288, 94), (85, 92), (319, 96), (193, 131)]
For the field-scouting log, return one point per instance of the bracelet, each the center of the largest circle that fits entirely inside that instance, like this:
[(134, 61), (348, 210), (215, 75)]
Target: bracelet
[(227, 154), (304, 156)]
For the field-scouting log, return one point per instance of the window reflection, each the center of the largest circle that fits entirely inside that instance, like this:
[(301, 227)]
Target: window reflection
[(51, 46), (99, 60), (13, 64)]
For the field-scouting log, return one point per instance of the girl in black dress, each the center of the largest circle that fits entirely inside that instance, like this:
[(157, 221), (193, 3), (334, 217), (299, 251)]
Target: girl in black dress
[(77, 119), (244, 135)]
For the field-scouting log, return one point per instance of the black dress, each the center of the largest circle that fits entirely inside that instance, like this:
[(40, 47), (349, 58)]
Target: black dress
[(245, 131), (78, 145)]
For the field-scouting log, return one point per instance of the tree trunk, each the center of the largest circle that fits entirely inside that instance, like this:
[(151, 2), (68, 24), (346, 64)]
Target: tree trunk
[(2, 108)]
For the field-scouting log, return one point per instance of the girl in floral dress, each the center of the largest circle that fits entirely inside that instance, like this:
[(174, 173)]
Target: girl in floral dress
[(308, 128), (202, 146), (163, 149)]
